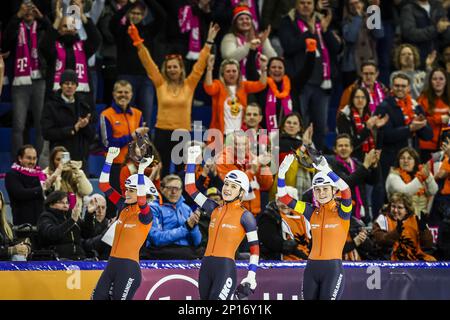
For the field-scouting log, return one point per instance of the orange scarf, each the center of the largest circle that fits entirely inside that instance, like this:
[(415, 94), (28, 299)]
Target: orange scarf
[(407, 108), (406, 177), (286, 87)]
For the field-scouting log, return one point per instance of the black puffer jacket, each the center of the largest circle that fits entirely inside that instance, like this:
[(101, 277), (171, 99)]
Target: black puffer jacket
[(58, 231)]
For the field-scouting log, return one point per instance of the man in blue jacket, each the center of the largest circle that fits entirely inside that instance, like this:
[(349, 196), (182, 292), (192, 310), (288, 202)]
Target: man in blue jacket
[(175, 233)]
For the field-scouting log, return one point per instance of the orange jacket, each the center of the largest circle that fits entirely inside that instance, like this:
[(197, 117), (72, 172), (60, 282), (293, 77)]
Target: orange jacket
[(116, 127), (435, 121), (407, 245), (130, 169), (219, 94), (130, 234), (262, 181)]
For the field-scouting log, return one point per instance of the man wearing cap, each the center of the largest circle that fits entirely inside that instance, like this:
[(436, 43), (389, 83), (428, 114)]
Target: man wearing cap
[(67, 121)]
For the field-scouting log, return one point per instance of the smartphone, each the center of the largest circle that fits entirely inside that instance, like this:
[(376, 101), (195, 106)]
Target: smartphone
[(65, 157)]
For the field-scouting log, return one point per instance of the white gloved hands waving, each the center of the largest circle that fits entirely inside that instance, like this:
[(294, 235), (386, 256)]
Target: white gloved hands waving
[(323, 166), (284, 166), (113, 152)]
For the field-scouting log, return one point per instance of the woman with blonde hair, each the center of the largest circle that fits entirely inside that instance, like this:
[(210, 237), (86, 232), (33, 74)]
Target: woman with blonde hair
[(400, 231)]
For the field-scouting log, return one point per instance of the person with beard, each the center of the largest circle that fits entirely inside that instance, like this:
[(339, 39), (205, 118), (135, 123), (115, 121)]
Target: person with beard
[(59, 227), (230, 223), (129, 67), (22, 36), (62, 49), (25, 186), (330, 221), (67, 120)]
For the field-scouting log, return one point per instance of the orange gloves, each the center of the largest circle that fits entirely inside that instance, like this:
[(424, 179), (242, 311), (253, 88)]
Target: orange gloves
[(134, 35), (311, 45)]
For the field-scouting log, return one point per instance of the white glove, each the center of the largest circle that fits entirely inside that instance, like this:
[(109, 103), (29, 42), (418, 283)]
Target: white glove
[(194, 154), (284, 166), (251, 280), (323, 166), (113, 152), (145, 162)]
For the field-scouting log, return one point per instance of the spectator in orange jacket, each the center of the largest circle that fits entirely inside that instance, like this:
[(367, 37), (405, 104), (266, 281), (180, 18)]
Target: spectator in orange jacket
[(131, 165), (238, 156)]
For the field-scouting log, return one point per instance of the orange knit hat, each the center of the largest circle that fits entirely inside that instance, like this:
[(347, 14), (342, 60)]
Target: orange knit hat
[(239, 10)]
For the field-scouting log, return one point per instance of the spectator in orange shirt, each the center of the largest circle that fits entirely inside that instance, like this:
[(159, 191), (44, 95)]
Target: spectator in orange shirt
[(119, 125), (238, 156)]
